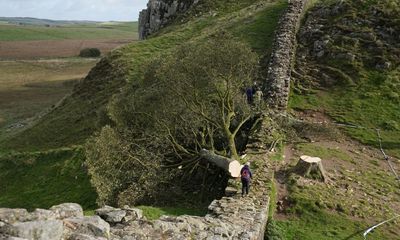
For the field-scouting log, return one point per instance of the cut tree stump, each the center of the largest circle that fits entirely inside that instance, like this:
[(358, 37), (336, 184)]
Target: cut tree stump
[(231, 166), (311, 167)]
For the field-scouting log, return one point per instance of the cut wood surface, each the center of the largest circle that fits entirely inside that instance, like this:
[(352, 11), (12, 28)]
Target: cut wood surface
[(232, 166), (310, 167)]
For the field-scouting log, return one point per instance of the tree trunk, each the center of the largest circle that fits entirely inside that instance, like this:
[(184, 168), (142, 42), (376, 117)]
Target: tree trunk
[(232, 147), (311, 167), (231, 166)]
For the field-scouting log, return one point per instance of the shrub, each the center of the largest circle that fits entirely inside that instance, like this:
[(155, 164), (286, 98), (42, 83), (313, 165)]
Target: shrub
[(90, 52)]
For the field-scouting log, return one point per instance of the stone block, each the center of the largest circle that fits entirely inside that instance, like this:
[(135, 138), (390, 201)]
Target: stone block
[(67, 210)]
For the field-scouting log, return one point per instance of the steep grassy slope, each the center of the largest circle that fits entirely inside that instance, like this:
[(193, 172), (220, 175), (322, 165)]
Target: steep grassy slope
[(44, 179), (348, 67), (78, 116), (347, 72), (37, 86), (84, 111)]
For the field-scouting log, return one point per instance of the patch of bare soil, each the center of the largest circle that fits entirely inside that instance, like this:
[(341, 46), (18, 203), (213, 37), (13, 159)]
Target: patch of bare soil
[(55, 48)]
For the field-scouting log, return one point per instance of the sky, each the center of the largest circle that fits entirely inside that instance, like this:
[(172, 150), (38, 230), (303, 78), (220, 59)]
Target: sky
[(95, 10)]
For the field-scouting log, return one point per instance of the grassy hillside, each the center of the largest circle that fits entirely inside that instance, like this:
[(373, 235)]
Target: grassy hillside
[(354, 77), (347, 72), (78, 116), (29, 87), (112, 30), (44, 179), (84, 112)]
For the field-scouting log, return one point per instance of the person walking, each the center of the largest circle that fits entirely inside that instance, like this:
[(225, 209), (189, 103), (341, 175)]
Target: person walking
[(249, 94), (246, 177), (259, 98)]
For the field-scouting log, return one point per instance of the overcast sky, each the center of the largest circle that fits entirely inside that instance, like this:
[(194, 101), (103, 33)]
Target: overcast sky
[(97, 10)]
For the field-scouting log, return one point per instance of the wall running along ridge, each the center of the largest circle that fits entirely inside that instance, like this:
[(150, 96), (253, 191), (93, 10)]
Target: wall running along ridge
[(159, 13), (284, 50)]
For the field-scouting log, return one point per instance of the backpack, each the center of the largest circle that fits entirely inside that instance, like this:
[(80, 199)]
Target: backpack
[(245, 174)]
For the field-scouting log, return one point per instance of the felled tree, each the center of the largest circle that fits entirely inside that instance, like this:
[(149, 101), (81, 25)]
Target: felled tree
[(113, 167), (192, 97), (204, 85), (188, 99)]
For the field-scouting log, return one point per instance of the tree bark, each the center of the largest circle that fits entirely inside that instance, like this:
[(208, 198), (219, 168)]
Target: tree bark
[(311, 167), (231, 166)]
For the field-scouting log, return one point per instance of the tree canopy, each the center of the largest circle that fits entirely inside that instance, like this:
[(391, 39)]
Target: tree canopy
[(189, 99)]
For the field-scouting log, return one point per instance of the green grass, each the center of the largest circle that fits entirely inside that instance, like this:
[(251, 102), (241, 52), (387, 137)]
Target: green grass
[(361, 95), (29, 87), (368, 106), (41, 180), (323, 152), (273, 198), (313, 223), (81, 114), (153, 213), (259, 30), (77, 118), (78, 31)]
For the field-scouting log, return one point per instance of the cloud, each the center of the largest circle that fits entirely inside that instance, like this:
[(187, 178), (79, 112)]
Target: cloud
[(100, 10)]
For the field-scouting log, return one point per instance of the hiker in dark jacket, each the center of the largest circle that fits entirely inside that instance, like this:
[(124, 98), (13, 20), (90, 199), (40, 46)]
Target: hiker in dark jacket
[(246, 176), (249, 94)]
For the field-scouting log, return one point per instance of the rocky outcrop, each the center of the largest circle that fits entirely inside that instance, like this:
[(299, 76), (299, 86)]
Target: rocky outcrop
[(284, 49), (159, 13)]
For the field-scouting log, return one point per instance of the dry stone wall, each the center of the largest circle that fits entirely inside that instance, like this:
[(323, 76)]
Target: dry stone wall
[(284, 50), (228, 218), (159, 13), (231, 217)]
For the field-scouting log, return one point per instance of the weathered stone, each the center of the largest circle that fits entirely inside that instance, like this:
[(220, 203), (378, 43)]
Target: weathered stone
[(13, 215), (230, 191), (79, 236), (115, 216), (36, 230), (67, 210), (132, 214), (43, 214), (8, 237), (110, 214), (93, 225)]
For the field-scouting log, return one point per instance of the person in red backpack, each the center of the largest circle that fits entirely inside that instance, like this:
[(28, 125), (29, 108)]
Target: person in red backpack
[(245, 176)]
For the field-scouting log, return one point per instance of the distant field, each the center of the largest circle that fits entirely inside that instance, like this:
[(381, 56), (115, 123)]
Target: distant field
[(55, 48), (29, 87), (39, 41), (113, 30)]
